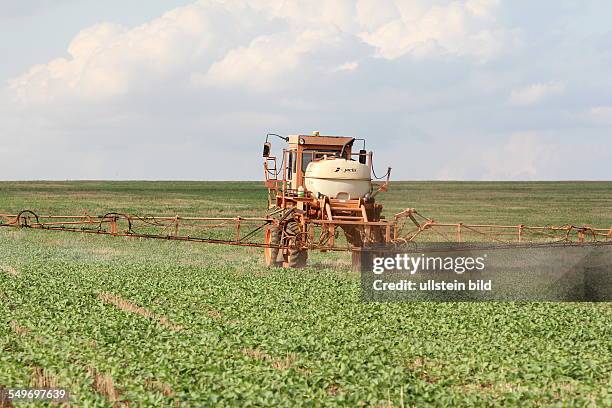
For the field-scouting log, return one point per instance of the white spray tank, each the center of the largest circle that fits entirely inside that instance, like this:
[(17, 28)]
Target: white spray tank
[(338, 178)]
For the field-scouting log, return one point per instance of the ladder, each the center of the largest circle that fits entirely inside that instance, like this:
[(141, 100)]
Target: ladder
[(346, 210)]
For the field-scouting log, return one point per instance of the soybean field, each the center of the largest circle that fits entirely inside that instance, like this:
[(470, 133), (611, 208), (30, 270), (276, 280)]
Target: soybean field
[(134, 322)]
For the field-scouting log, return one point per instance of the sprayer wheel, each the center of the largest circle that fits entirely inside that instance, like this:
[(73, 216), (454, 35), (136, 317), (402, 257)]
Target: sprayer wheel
[(273, 237), (297, 257)]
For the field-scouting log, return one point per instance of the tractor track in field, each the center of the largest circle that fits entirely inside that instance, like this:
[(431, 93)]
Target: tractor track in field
[(42, 378), (104, 384), (127, 306)]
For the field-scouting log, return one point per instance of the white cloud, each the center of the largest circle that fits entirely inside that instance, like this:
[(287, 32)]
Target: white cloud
[(535, 93), (258, 44), (265, 62), (458, 29), (108, 60)]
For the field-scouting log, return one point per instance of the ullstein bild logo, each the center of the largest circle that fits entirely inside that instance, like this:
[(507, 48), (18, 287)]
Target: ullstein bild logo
[(462, 272)]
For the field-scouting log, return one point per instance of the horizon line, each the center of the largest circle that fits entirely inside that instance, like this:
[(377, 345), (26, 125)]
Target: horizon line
[(256, 181)]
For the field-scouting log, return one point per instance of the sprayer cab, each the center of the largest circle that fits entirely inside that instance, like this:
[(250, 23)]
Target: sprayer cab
[(315, 166)]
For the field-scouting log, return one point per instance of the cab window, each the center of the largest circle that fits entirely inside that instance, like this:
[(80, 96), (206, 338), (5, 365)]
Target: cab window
[(310, 155)]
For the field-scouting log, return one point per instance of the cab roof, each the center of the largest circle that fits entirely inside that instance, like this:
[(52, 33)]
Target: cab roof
[(320, 140)]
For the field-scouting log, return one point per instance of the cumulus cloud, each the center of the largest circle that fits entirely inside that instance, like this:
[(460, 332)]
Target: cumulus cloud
[(108, 60), (259, 45), (266, 62), (535, 93), (87, 73), (459, 29)]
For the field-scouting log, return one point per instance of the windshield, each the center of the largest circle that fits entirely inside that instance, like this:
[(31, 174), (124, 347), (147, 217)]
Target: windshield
[(310, 155)]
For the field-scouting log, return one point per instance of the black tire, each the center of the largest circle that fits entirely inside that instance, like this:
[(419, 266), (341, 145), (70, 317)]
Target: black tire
[(297, 257), (273, 237)]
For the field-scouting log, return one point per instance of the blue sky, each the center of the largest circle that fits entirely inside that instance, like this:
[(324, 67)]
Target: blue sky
[(469, 90)]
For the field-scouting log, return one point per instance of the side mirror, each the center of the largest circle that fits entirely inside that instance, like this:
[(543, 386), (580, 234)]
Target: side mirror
[(266, 150), (363, 155)]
